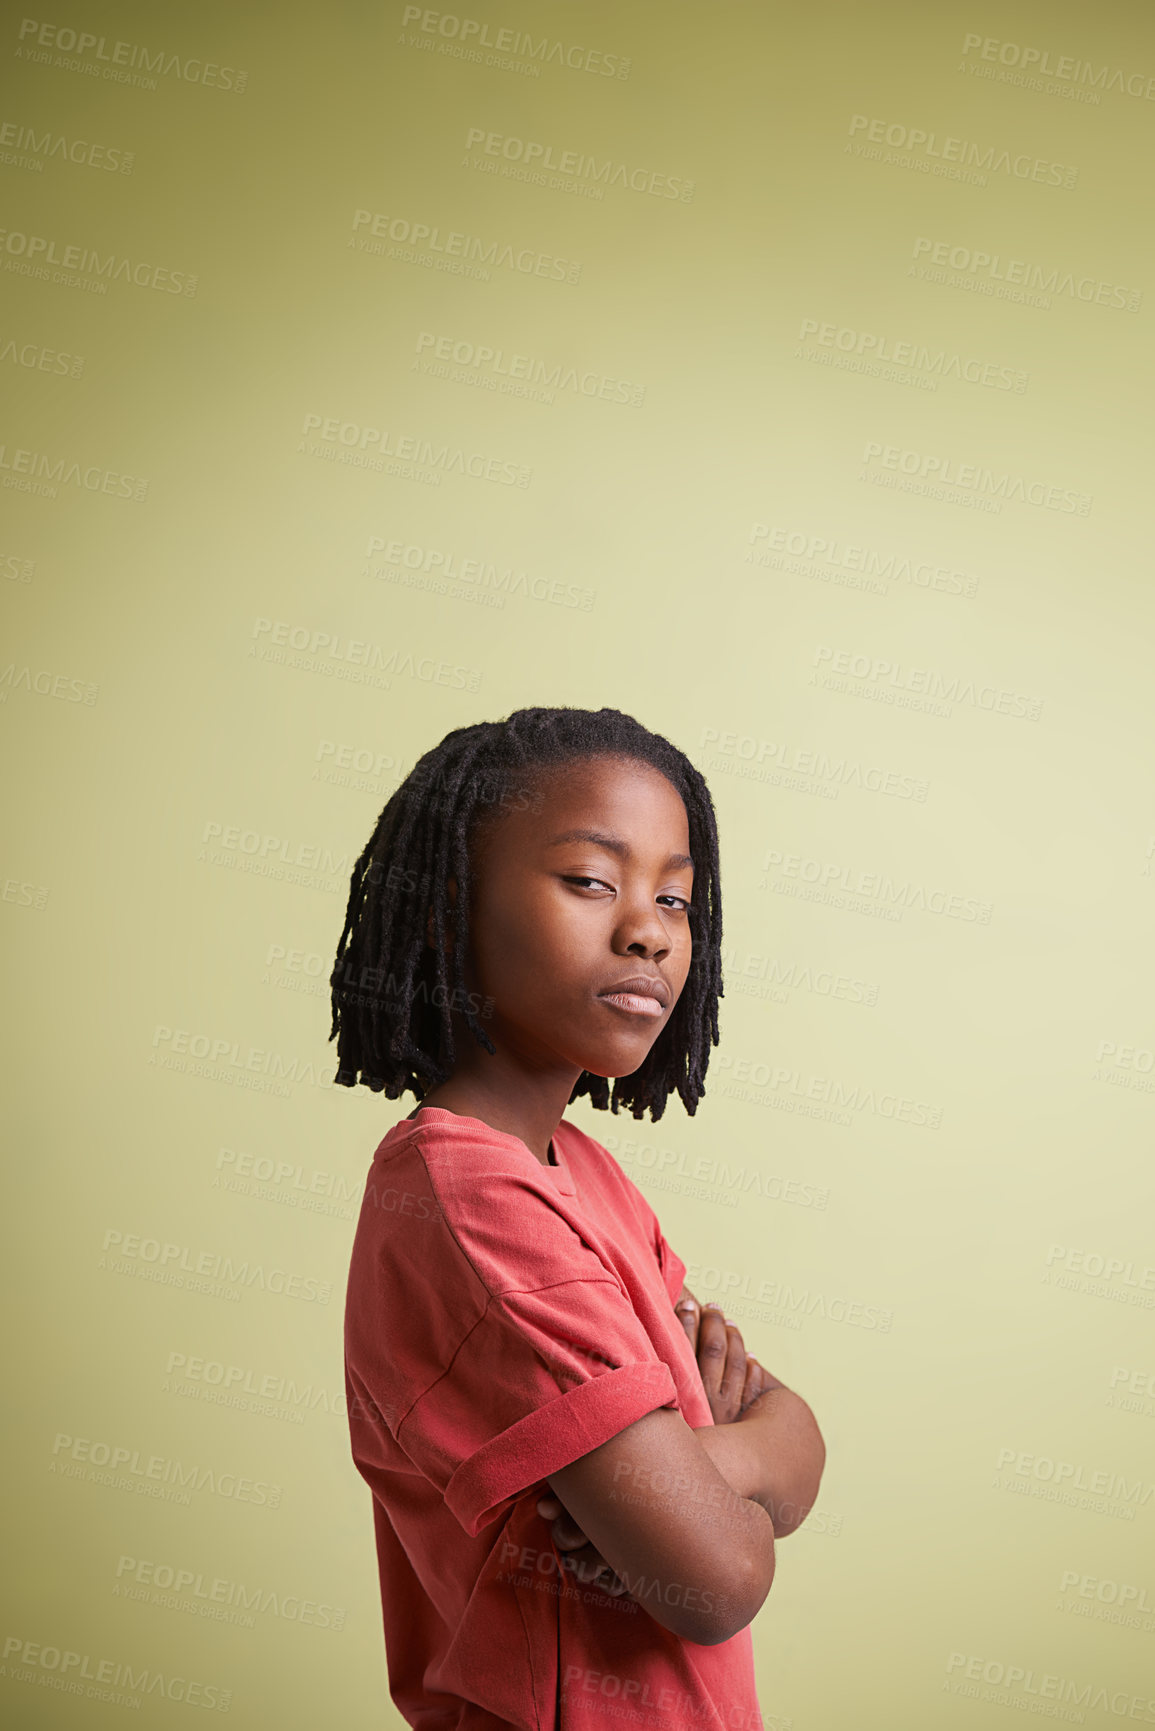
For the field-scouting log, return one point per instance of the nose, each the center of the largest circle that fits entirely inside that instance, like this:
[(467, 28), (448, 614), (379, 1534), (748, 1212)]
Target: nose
[(640, 930)]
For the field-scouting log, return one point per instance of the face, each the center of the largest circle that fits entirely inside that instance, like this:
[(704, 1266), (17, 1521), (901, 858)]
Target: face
[(573, 899)]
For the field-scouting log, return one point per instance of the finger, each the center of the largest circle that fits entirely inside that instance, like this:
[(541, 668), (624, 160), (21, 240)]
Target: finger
[(769, 1380), (590, 1567), (587, 1564), (687, 1313), (713, 1345), (564, 1530), (758, 1381), (567, 1535), (607, 1582), (734, 1373)]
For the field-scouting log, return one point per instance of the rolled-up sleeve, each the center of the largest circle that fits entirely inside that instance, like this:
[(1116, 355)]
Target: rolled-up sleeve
[(542, 1378)]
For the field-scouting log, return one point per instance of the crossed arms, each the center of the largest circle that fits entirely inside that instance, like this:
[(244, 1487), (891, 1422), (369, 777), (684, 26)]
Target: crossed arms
[(695, 1509)]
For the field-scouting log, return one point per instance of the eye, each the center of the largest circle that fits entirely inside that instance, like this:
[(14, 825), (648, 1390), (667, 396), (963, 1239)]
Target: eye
[(684, 905)]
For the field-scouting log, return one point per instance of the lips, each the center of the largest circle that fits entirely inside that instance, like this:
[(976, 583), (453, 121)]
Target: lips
[(643, 994)]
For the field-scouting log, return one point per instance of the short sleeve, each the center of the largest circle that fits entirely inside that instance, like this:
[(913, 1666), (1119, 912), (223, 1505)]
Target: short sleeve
[(542, 1377)]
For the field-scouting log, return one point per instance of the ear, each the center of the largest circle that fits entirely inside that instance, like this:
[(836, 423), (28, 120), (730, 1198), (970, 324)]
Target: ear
[(451, 893)]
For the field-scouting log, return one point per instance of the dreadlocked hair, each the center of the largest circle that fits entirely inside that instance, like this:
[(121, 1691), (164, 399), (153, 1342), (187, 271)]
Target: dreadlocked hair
[(393, 989)]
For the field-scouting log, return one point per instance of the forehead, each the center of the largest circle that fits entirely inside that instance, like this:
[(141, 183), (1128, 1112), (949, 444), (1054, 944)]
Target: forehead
[(617, 797)]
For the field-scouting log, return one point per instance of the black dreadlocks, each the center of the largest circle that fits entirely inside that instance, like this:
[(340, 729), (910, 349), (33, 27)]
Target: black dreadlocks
[(391, 988)]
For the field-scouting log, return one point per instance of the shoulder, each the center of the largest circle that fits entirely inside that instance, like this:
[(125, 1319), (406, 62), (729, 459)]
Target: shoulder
[(458, 1196)]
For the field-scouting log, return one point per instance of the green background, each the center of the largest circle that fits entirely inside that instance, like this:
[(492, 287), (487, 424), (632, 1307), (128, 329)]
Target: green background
[(921, 1178)]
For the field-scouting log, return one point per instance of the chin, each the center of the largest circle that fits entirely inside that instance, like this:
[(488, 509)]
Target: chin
[(623, 1064)]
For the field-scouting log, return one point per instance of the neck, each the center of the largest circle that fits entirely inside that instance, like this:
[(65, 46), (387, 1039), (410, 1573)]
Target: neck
[(530, 1113), (511, 1089)]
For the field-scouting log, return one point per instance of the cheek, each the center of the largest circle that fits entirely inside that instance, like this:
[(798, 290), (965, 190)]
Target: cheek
[(682, 967), (516, 938)]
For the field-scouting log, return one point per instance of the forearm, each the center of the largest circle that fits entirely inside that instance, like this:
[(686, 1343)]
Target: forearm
[(773, 1455)]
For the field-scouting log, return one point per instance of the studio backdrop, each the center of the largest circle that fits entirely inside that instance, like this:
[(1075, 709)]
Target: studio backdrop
[(781, 376)]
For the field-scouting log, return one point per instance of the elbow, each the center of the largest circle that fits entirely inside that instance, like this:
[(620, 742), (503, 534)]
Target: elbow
[(734, 1609)]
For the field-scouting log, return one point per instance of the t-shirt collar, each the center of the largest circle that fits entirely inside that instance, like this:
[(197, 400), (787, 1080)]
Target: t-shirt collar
[(560, 1174)]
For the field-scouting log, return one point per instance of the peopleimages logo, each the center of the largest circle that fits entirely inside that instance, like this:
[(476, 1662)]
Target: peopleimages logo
[(121, 1682), (875, 671), (37, 357), (92, 56), (577, 165), (765, 759), (995, 267), (945, 471), (469, 35), (169, 1263), (14, 136), (955, 156), (484, 576), (832, 882), (1009, 1685), (507, 371), (1061, 66), (452, 249), (43, 473), (450, 459), (36, 252), (844, 556), (163, 1470), (172, 1585), (922, 357)]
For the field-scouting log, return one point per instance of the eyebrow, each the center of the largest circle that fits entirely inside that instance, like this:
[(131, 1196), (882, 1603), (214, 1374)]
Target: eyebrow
[(613, 844)]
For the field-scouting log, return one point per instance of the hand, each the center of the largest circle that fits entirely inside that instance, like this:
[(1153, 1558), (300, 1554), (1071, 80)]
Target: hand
[(583, 1559), (731, 1378), (732, 1381)]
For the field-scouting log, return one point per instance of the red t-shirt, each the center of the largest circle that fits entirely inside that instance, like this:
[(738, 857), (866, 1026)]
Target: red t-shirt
[(503, 1318)]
